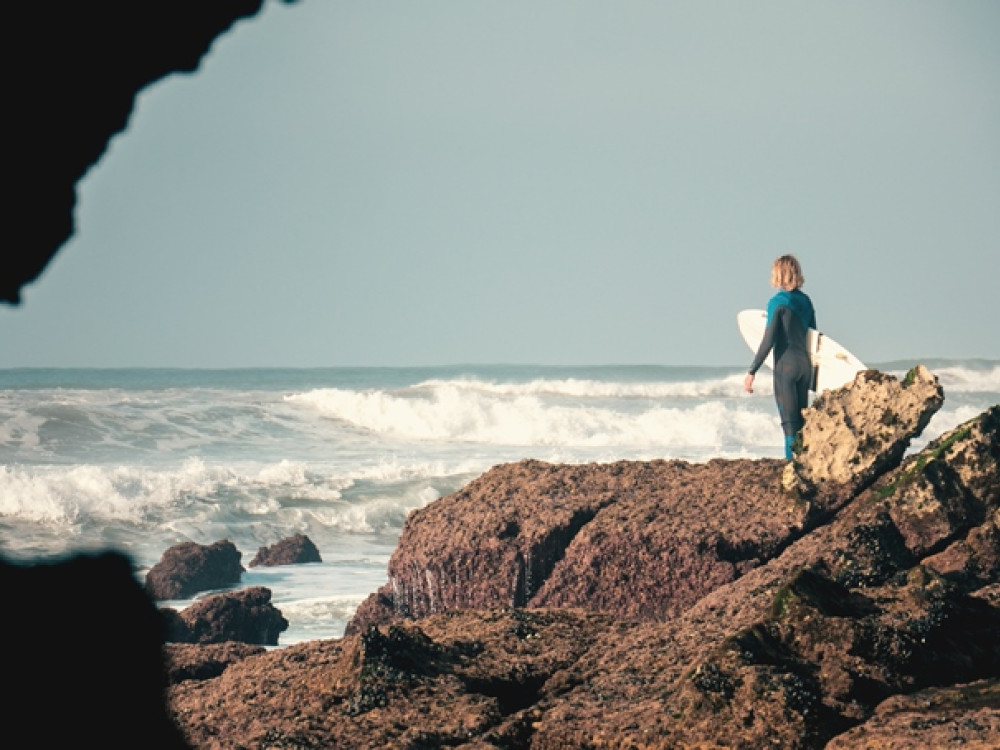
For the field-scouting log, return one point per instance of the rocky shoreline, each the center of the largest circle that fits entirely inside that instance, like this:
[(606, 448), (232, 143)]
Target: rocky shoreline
[(848, 601), (849, 598)]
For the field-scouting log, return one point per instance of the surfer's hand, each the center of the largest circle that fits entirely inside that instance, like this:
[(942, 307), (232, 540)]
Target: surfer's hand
[(748, 383)]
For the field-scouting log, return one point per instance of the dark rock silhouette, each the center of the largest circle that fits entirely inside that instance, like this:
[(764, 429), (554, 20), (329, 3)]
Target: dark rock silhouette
[(82, 643), (189, 568), (79, 68), (293, 550)]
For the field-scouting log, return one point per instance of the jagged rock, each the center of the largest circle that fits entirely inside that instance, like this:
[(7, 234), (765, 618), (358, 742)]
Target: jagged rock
[(246, 616), (966, 716), (674, 534), (856, 433), (189, 568), (947, 489), (822, 656), (187, 661), (648, 539), (974, 560), (492, 543), (290, 551), (641, 539), (456, 678), (973, 452)]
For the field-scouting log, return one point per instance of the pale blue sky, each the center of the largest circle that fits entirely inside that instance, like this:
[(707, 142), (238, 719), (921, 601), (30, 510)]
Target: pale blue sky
[(574, 182)]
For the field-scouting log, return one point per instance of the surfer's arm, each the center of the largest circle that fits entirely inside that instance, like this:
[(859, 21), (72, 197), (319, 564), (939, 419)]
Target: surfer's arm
[(767, 342)]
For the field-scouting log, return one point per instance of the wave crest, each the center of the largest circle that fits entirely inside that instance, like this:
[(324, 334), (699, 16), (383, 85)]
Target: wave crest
[(519, 415)]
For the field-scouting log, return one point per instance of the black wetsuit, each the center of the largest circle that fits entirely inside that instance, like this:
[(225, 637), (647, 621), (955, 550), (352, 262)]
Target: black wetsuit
[(789, 316)]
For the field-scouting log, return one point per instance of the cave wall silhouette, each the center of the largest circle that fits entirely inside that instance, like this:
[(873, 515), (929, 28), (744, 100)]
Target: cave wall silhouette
[(74, 70), (87, 639)]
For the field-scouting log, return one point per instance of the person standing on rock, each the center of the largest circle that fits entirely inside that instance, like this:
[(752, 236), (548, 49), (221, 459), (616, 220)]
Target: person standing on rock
[(790, 315)]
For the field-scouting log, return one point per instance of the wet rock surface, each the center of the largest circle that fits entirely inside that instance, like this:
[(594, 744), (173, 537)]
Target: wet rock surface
[(780, 620), (292, 550), (188, 568), (966, 716), (245, 616)]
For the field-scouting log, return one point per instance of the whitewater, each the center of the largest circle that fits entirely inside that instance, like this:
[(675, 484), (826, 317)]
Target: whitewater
[(139, 460)]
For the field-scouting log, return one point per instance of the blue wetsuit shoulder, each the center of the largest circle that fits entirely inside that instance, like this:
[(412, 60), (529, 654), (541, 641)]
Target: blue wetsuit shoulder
[(796, 301)]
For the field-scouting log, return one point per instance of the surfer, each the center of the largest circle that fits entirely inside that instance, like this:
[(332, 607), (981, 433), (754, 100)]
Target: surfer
[(790, 315)]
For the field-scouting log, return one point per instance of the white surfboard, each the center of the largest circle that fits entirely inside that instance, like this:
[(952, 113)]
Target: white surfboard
[(833, 365)]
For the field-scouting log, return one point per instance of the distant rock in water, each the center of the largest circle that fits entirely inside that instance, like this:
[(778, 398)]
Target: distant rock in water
[(189, 568), (292, 550), (245, 616)]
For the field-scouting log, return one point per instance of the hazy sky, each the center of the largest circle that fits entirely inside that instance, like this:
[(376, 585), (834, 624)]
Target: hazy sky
[(348, 182)]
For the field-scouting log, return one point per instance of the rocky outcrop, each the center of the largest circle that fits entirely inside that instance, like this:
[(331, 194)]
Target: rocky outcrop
[(836, 636), (962, 716), (645, 539), (203, 662), (854, 434), (459, 679), (293, 550), (245, 616), (75, 73), (189, 568)]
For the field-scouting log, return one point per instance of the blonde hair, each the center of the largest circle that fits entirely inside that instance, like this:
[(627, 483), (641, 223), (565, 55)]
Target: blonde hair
[(786, 273)]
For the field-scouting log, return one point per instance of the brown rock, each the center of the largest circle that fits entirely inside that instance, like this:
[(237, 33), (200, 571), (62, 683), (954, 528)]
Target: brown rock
[(493, 543), (189, 568), (457, 678), (817, 661), (676, 532), (642, 539), (809, 642), (974, 560), (290, 551), (246, 616), (973, 452), (951, 486), (966, 716), (202, 662)]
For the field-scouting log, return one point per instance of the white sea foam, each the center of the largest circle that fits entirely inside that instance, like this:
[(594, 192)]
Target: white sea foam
[(584, 388), (63, 494), (967, 380), (450, 411)]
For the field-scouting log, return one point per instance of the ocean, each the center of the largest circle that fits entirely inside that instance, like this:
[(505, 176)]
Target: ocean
[(139, 460)]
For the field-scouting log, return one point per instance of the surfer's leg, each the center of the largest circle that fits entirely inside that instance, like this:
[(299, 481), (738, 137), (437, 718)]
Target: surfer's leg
[(787, 398)]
